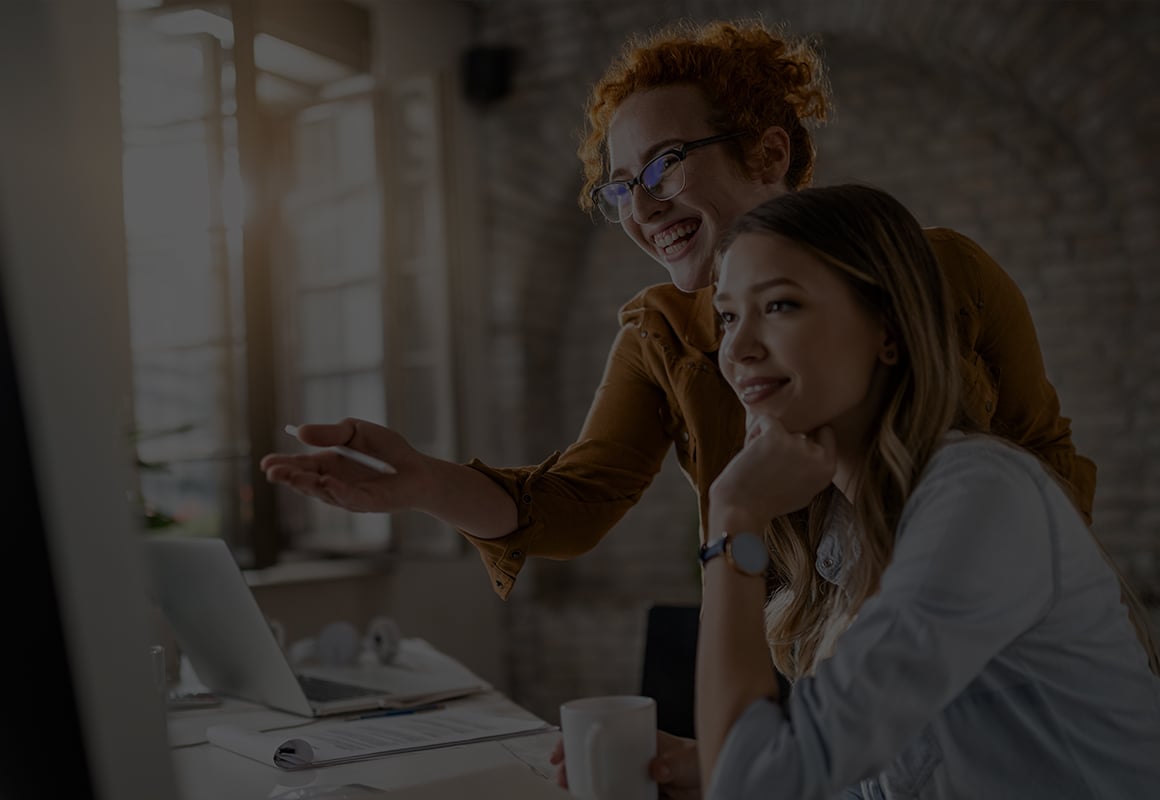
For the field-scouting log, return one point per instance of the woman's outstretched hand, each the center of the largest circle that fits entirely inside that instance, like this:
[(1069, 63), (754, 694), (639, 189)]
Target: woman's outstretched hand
[(457, 495), (675, 768), (343, 482)]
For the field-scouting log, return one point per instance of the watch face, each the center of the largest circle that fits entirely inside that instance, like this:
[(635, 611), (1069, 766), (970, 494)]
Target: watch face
[(749, 553)]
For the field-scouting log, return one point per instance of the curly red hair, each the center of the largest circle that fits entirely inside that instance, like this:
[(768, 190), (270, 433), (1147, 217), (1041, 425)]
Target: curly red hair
[(753, 77)]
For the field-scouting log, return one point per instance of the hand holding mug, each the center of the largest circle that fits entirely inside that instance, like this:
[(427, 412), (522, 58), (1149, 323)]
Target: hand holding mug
[(675, 768), (609, 743)]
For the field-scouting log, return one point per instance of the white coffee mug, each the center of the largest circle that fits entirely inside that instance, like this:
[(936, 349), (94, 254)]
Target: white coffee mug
[(608, 744)]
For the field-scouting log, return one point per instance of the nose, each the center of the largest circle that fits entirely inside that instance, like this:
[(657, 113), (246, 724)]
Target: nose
[(740, 344), (644, 205)]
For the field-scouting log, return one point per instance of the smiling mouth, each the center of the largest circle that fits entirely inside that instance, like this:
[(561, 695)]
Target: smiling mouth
[(675, 240), (756, 392)]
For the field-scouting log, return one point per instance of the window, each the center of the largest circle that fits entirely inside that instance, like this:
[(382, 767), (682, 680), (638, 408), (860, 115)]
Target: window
[(330, 296), (304, 282), (183, 199)]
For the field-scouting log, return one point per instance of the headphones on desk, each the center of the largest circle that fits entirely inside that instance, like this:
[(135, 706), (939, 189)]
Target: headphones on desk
[(340, 644)]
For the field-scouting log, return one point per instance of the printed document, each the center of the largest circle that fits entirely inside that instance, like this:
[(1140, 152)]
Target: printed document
[(326, 743)]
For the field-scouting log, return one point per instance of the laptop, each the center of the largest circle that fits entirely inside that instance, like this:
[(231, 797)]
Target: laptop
[(219, 626)]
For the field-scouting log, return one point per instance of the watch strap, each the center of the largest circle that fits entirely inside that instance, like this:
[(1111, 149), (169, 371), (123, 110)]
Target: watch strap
[(713, 549), (726, 545)]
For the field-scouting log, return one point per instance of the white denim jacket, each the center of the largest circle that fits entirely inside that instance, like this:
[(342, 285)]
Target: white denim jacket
[(996, 660)]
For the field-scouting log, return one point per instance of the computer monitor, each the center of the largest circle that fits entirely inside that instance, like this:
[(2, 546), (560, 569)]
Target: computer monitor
[(80, 717)]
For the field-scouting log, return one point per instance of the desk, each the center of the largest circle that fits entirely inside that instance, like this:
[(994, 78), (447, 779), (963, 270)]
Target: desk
[(207, 772)]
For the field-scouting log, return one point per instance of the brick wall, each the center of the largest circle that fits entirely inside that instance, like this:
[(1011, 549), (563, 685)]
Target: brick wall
[(1033, 127)]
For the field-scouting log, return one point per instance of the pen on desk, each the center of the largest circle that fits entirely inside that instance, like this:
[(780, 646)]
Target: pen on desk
[(353, 455), (398, 712)]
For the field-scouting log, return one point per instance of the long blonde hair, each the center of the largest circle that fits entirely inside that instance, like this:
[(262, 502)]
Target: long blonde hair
[(877, 247), (879, 250)]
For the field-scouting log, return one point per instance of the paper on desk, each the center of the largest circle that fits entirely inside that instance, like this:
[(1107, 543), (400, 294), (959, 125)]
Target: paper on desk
[(509, 782), (328, 743), (188, 727), (535, 751)]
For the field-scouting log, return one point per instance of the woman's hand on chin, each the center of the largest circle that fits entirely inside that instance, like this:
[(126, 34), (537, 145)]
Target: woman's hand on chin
[(777, 472)]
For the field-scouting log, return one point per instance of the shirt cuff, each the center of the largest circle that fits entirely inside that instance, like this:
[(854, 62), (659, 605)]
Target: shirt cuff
[(505, 556)]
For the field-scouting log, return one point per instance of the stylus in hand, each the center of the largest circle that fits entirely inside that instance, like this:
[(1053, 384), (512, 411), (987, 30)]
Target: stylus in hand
[(353, 455)]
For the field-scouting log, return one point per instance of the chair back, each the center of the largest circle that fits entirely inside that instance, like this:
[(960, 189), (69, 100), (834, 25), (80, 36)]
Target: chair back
[(670, 658)]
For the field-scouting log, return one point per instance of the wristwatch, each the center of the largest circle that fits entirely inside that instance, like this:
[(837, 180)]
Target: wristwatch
[(745, 552)]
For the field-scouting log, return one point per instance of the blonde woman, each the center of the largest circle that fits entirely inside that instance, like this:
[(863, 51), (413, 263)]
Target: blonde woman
[(953, 628)]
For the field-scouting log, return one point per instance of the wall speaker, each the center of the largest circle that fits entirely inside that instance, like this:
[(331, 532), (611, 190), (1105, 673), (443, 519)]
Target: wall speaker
[(487, 73)]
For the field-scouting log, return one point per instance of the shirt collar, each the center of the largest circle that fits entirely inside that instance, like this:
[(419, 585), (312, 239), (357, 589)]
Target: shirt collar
[(702, 331)]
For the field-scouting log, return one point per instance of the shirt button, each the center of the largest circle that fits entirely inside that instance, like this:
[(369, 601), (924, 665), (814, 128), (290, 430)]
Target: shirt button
[(527, 498), (517, 555), (644, 334), (499, 583), (685, 436), (827, 562)]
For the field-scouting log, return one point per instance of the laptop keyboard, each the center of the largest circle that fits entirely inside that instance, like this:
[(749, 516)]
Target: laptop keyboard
[(321, 691)]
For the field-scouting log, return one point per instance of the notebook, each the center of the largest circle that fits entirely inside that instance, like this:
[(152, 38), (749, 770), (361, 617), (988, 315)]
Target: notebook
[(323, 744), (218, 625)]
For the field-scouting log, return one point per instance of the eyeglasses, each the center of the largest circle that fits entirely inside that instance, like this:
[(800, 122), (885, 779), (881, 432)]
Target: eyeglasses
[(663, 178)]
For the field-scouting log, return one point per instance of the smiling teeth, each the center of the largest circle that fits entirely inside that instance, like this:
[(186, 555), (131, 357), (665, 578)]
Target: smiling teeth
[(665, 239), (757, 388)]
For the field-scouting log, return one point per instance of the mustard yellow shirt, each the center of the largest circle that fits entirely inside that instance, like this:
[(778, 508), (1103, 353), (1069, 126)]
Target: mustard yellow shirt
[(661, 387)]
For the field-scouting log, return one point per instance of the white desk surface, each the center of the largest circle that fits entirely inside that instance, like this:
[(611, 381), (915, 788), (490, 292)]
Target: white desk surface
[(207, 772)]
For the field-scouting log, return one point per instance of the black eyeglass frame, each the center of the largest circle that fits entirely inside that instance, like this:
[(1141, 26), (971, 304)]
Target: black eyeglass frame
[(681, 151)]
